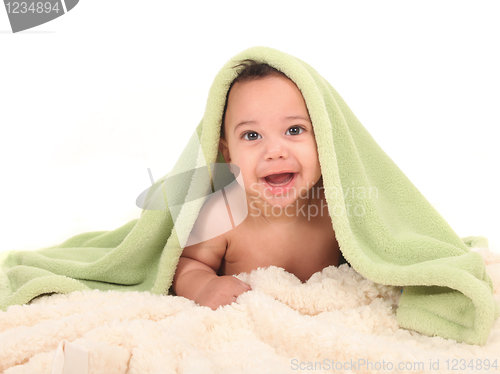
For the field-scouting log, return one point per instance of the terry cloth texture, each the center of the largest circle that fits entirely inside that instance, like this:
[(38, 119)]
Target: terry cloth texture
[(399, 239), (281, 326)]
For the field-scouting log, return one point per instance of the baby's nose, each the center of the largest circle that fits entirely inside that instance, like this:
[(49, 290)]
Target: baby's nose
[(276, 150)]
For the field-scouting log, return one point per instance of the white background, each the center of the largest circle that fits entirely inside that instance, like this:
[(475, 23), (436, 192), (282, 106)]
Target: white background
[(92, 99)]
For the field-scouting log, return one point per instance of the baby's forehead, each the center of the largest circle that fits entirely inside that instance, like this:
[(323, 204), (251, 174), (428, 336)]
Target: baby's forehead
[(277, 97)]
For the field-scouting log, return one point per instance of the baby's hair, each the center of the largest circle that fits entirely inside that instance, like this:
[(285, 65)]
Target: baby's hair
[(249, 70)]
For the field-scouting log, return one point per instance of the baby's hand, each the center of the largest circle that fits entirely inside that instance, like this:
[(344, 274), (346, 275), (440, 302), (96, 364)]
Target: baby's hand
[(222, 290)]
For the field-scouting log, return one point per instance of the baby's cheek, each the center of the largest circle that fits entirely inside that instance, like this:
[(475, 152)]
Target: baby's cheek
[(252, 188)]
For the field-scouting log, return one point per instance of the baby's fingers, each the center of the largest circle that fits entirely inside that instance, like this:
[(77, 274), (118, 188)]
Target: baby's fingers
[(240, 288), (245, 286)]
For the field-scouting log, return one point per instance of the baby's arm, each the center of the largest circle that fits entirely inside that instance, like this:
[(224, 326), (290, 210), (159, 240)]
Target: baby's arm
[(196, 275)]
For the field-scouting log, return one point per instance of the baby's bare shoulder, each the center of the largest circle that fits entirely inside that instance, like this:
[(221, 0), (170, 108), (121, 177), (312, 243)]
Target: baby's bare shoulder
[(212, 221), (207, 241)]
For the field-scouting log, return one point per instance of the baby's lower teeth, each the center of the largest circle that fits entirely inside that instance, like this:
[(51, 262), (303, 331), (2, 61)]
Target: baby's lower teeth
[(282, 183)]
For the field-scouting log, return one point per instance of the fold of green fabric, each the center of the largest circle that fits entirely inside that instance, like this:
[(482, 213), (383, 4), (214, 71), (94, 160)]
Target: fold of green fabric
[(386, 229)]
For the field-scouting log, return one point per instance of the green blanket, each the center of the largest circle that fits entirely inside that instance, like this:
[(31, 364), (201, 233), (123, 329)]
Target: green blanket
[(386, 229)]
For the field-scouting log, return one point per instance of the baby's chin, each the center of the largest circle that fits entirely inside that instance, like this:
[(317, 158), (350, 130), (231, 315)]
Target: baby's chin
[(295, 192), (285, 207), (290, 197)]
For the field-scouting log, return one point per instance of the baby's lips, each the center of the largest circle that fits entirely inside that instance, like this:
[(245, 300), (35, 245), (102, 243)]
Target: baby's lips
[(279, 178)]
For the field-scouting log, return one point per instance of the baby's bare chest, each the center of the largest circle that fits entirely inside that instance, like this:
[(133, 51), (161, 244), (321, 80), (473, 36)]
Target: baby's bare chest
[(301, 250)]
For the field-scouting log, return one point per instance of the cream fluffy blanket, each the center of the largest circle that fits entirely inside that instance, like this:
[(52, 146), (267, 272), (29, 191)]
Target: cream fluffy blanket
[(336, 322)]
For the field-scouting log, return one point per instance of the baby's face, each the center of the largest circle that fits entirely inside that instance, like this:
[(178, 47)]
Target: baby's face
[(268, 131)]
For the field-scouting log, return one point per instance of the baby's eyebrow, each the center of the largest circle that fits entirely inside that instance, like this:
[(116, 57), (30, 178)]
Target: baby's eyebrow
[(242, 123), (289, 117), (298, 117)]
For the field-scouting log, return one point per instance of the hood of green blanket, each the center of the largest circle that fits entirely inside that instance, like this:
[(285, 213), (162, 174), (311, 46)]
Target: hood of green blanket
[(370, 200), (315, 90)]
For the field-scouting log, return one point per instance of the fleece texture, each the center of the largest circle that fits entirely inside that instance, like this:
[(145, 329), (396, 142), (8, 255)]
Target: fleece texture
[(386, 229), (336, 322)]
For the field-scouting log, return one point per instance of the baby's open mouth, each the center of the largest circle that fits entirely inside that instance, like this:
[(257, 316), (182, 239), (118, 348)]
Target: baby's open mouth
[(279, 179)]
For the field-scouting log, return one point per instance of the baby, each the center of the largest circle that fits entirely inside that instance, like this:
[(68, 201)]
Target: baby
[(267, 133)]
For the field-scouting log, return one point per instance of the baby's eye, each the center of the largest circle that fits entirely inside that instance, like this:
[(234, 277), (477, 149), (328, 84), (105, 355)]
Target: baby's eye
[(297, 128), (250, 132)]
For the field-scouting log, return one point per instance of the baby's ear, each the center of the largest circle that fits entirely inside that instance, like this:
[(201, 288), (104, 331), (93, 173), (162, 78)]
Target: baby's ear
[(223, 148)]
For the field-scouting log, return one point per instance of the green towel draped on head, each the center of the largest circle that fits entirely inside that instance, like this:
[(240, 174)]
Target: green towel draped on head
[(386, 229)]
